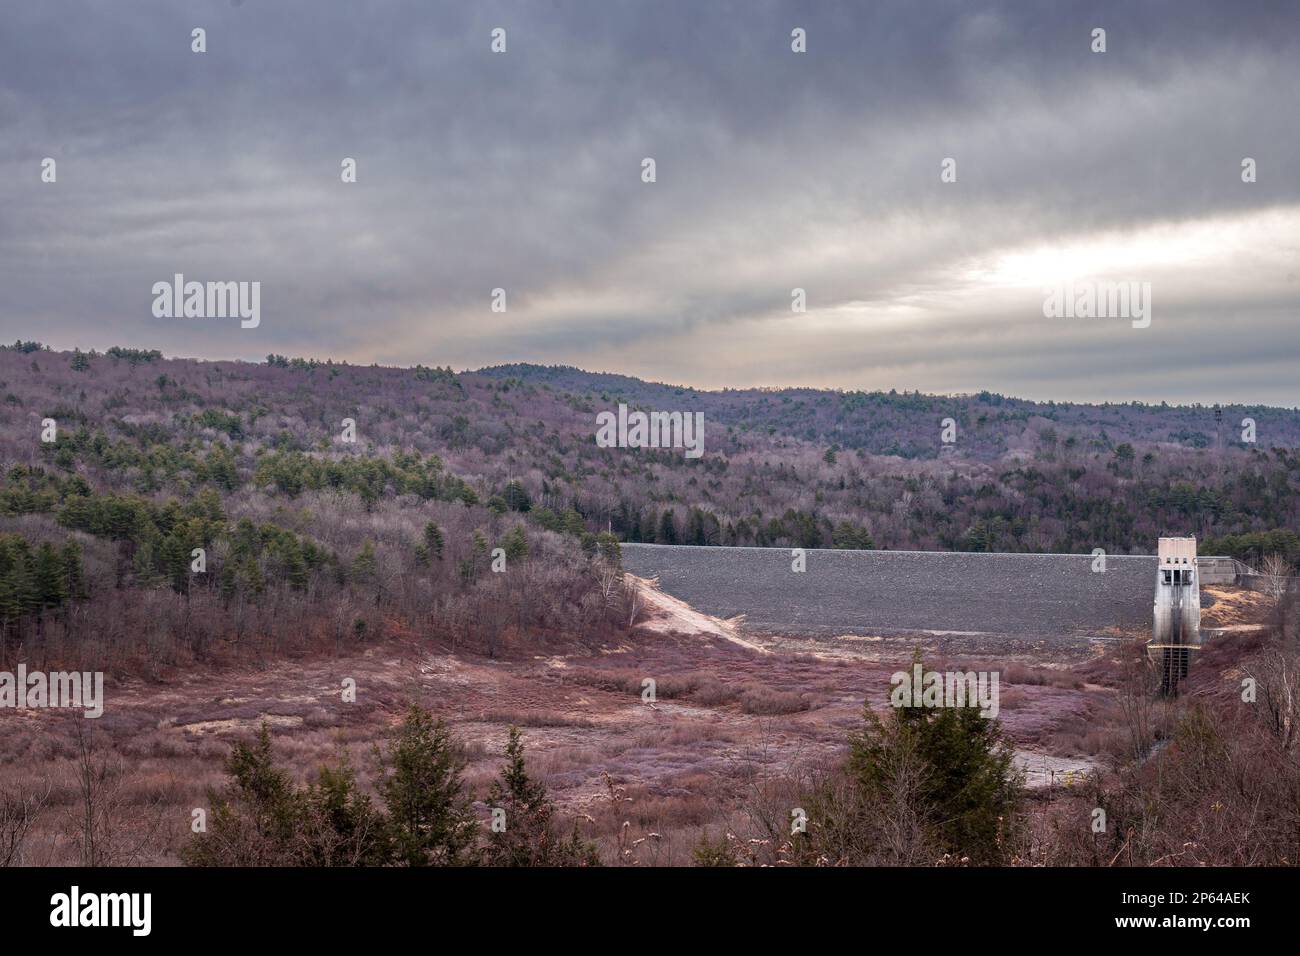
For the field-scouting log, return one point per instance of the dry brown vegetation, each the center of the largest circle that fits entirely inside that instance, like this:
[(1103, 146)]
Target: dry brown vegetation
[(341, 581), (735, 739)]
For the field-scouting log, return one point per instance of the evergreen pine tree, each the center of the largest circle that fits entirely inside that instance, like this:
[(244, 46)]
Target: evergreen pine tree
[(229, 581), (256, 819), (667, 529), (364, 565), (970, 791), (341, 827), (174, 556), (429, 818), (515, 544), (433, 540), (251, 576), (74, 574), (529, 837), (516, 497), (51, 591)]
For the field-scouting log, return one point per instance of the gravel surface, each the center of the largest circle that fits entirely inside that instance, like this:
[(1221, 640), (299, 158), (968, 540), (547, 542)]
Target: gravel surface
[(1030, 596)]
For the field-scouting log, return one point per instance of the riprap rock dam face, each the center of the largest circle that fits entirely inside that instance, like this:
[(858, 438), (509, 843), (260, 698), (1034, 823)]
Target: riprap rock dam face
[(1024, 596)]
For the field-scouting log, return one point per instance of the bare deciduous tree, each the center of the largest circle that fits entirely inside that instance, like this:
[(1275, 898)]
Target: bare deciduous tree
[(1137, 704), (1276, 573), (19, 809), (106, 826), (1277, 678)]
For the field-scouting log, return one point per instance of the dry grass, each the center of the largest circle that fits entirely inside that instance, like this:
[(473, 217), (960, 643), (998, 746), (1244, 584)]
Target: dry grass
[(646, 781)]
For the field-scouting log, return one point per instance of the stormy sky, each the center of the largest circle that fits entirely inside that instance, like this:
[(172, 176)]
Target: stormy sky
[(775, 170)]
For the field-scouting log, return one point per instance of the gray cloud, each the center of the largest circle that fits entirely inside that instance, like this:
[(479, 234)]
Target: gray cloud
[(775, 171)]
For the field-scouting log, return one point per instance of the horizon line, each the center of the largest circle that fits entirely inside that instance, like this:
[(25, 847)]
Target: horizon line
[(838, 389)]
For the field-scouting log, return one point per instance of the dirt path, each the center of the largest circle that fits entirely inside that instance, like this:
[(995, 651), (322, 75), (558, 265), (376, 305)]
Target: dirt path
[(666, 614)]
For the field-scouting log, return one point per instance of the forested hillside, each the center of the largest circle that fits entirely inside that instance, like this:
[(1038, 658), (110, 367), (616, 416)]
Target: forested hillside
[(332, 501), (906, 424)]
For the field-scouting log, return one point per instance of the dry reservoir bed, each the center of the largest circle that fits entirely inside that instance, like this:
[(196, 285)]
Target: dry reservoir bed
[(740, 714)]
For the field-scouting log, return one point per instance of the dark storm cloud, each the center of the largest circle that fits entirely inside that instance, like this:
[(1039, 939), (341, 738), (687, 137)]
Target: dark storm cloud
[(775, 170)]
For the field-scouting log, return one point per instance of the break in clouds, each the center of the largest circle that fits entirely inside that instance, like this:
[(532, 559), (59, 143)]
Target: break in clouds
[(775, 170)]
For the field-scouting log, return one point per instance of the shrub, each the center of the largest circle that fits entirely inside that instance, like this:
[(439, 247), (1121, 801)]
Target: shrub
[(968, 790), (429, 821), (529, 836)]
